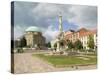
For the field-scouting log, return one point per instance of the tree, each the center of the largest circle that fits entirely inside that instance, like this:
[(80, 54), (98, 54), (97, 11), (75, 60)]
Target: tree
[(23, 42), (16, 44), (70, 44), (78, 45), (20, 43), (91, 42), (48, 45)]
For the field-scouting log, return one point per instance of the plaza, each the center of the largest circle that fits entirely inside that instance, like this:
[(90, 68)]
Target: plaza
[(49, 42), (30, 62)]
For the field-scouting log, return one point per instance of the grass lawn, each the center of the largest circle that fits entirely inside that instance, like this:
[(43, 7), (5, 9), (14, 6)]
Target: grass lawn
[(62, 60)]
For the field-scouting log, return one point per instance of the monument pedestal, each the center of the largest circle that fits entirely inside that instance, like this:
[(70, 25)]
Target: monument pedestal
[(58, 47)]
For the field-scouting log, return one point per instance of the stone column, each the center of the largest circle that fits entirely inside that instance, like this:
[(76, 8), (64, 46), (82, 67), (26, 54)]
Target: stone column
[(60, 23), (58, 47)]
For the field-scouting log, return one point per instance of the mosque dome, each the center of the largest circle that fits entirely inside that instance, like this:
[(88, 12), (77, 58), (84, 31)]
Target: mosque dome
[(33, 29)]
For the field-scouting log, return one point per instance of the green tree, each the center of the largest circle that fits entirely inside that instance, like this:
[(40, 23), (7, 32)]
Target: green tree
[(48, 45), (70, 44), (15, 43), (78, 45), (20, 43), (91, 42), (23, 42)]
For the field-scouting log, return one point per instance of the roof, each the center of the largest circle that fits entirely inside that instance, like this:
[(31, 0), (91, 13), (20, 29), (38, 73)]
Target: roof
[(82, 32), (33, 29), (69, 32)]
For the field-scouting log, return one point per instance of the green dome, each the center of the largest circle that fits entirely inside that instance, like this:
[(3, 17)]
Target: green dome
[(33, 29)]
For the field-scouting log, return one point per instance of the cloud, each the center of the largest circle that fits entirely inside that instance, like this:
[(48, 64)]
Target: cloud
[(85, 16), (50, 10), (45, 16), (50, 33), (23, 13)]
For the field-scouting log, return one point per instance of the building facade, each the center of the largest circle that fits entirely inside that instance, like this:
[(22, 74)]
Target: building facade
[(34, 38), (82, 35)]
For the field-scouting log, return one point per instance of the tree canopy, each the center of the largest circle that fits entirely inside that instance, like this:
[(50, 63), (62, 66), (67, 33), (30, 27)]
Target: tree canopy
[(78, 44), (91, 42), (70, 44)]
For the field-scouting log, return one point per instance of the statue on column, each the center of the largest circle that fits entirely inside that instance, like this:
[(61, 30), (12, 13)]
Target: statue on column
[(59, 41)]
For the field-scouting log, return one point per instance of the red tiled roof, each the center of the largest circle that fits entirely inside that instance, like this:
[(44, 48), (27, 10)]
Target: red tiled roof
[(82, 32)]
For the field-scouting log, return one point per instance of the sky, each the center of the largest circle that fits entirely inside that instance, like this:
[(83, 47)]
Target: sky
[(45, 16)]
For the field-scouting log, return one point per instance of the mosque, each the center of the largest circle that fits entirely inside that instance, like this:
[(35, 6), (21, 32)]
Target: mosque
[(33, 38)]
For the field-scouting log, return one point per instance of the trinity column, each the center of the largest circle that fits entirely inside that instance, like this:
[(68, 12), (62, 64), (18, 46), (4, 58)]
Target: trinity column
[(60, 33)]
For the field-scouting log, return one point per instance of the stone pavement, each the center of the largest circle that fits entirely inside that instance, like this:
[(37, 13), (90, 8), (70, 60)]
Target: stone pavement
[(26, 63)]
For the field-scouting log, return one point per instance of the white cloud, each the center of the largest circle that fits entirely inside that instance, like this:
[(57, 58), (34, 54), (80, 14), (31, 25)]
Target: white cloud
[(45, 10), (50, 33), (85, 16), (51, 10)]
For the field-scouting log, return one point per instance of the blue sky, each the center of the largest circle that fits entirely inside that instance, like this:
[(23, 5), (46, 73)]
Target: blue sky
[(45, 16)]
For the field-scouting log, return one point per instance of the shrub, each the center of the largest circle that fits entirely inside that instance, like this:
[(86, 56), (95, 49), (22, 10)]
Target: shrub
[(19, 50), (61, 52)]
